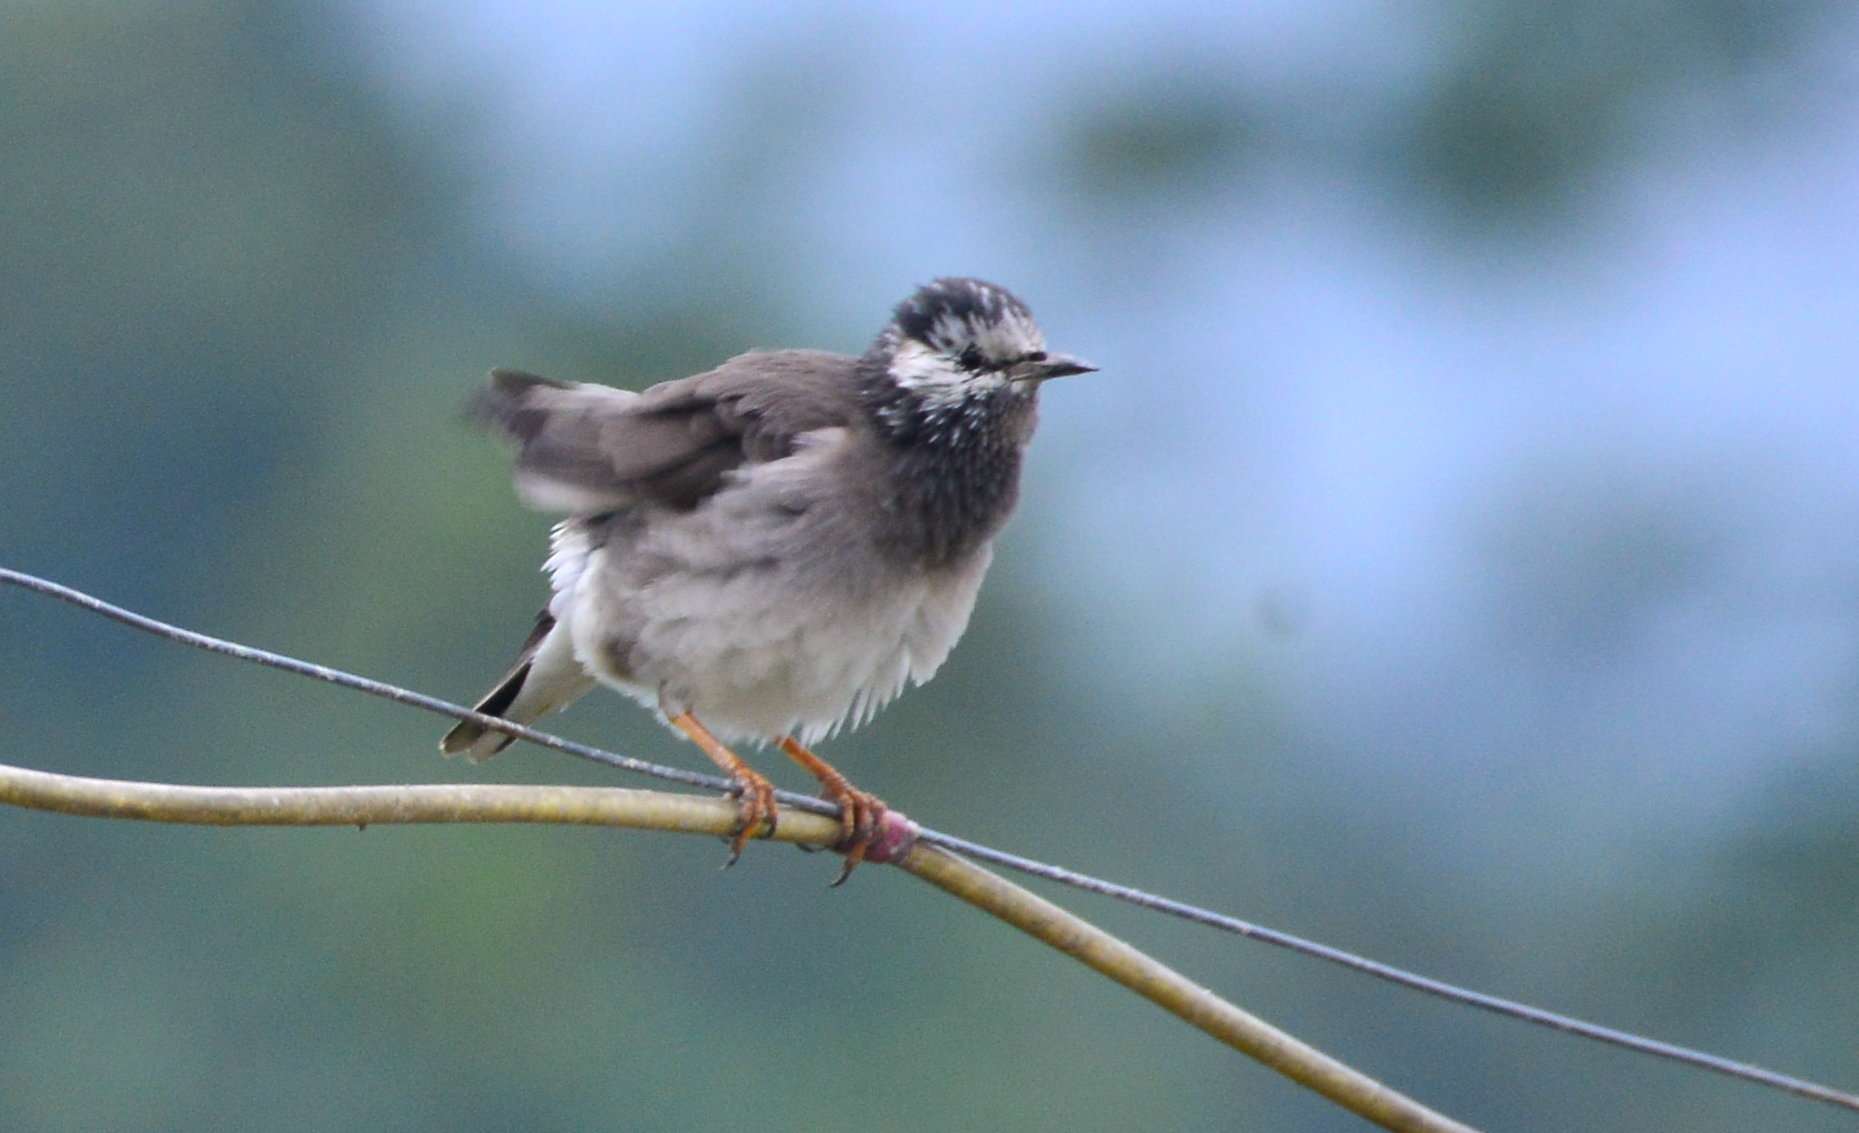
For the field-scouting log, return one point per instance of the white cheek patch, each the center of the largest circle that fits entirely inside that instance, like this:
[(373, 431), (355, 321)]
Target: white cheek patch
[(935, 378)]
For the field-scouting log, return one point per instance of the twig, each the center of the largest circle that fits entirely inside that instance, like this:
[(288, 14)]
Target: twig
[(655, 810), (1524, 1012), (1159, 984)]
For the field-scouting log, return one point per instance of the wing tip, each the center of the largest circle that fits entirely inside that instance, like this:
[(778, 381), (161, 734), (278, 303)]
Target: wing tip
[(499, 403), (514, 382)]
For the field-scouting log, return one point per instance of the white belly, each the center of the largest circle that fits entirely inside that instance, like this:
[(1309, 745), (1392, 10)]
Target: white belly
[(754, 662)]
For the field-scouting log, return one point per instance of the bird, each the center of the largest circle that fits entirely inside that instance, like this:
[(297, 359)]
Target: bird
[(772, 550)]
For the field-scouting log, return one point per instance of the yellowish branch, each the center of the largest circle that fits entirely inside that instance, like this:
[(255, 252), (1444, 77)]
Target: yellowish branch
[(1173, 992), (368, 806), (656, 810)]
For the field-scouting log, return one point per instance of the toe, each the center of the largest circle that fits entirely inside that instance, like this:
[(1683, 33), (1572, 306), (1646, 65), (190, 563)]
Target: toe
[(860, 816), (756, 815)]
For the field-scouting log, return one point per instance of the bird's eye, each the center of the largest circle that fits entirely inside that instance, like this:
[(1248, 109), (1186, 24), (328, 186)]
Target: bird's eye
[(970, 357), (1036, 356)]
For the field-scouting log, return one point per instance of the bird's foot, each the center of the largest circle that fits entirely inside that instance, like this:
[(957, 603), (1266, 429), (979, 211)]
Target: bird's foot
[(861, 816), (754, 794), (861, 813), (755, 811)]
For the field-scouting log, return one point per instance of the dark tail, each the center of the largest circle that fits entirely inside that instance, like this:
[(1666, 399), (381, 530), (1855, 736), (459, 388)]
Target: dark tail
[(474, 739)]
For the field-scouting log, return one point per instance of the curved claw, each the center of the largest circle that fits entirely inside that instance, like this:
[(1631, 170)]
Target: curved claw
[(755, 809), (755, 813), (860, 815)]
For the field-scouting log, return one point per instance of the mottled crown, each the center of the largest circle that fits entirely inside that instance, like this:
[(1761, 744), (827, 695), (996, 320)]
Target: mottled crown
[(954, 314)]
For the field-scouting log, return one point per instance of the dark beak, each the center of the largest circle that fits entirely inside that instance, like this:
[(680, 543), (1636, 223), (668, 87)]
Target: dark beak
[(1054, 366)]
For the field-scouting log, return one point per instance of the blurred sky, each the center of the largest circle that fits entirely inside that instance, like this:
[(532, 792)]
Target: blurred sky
[(1361, 399), (1455, 556)]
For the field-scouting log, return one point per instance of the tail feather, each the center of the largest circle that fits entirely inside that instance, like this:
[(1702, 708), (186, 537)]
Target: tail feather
[(465, 736), (545, 677)]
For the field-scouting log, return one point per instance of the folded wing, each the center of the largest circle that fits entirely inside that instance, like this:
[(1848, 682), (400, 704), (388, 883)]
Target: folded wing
[(585, 449)]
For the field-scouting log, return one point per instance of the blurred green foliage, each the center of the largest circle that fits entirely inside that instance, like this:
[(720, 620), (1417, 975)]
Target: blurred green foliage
[(245, 287)]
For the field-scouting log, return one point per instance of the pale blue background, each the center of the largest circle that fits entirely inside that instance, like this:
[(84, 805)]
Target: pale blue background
[(1455, 560)]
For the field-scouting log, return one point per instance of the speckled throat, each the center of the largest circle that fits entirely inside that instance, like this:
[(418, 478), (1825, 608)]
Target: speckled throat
[(953, 473)]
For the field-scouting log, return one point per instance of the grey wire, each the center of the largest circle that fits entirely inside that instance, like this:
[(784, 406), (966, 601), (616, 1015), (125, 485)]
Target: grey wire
[(1509, 1008)]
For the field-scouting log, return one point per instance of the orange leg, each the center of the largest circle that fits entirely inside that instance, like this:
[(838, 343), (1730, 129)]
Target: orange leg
[(755, 794), (859, 812)]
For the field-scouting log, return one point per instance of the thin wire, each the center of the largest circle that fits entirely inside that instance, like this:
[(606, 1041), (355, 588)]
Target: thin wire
[(1799, 1087)]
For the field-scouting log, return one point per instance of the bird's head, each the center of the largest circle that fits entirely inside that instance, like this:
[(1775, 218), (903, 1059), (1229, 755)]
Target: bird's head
[(957, 342)]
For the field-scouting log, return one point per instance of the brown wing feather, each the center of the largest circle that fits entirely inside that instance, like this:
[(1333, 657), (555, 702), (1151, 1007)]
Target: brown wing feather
[(590, 448)]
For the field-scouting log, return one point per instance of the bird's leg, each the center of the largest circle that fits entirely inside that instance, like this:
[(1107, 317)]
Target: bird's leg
[(754, 793), (860, 812)]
